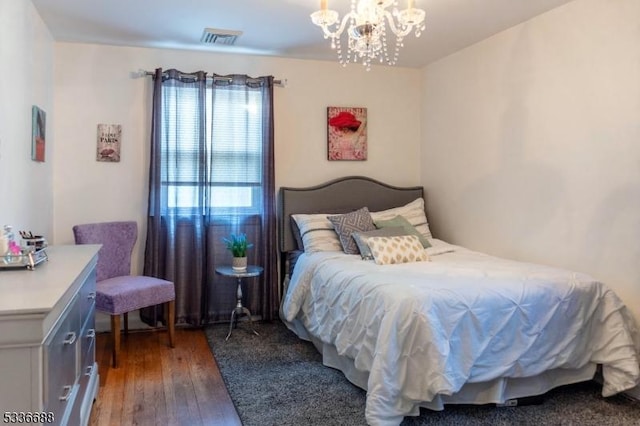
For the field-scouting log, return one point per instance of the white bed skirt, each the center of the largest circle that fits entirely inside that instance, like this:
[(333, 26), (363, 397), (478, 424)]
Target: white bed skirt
[(495, 391)]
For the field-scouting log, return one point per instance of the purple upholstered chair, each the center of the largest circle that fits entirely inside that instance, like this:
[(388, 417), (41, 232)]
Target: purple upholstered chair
[(118, 292)]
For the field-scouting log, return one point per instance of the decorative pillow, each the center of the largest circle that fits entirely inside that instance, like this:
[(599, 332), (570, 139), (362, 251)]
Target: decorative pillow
[(362, 238), (317, 233), (346, 224), (399, 249), (296, 234), (404, 223), (413, 212)]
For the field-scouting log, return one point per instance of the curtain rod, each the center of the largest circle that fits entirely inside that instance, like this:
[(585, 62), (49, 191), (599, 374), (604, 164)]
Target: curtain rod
[(281, 82)]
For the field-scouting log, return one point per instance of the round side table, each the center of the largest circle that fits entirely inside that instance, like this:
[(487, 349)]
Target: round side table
[(239, 310)]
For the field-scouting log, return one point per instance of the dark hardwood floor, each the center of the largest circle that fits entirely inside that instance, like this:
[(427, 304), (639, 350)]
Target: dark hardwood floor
[(158, 385)]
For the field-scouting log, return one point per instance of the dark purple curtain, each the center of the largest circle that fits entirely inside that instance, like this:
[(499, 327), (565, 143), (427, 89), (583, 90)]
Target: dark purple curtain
[(211, 174)]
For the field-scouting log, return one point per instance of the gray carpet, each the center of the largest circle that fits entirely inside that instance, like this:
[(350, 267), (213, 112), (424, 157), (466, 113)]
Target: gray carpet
[(278, 379)]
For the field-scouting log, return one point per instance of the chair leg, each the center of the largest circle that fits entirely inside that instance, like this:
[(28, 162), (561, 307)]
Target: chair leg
[(170, 315), (115, 338), (126, 323)]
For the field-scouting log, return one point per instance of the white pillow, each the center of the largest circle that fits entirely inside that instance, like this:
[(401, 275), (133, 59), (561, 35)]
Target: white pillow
[(413, 212), (317, 232), (397, 249)]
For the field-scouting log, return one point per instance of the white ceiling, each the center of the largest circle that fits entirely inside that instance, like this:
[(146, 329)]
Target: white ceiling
[(273, 27)]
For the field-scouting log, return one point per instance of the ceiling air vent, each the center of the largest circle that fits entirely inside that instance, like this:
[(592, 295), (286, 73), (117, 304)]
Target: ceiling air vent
[(215, 36)]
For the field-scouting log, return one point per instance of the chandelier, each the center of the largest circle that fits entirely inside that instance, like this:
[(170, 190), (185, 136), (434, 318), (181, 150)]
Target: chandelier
[(368, 24)]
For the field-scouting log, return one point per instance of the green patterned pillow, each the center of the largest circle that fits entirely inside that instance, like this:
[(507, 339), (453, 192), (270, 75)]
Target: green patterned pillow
[(362, 238), (403, 222), (398, 249)]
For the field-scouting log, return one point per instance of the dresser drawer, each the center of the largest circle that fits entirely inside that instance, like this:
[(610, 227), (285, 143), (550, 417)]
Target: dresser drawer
[(88, 364), (60, 362), (87, 296), (86, 372), (87, 342)]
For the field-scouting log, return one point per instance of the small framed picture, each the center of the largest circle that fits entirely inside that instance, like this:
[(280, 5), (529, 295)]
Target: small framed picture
[(38, 130), (109, 138), (347, 133)]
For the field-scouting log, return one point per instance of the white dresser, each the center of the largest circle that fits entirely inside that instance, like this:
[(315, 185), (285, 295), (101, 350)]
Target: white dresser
[(47, 339)]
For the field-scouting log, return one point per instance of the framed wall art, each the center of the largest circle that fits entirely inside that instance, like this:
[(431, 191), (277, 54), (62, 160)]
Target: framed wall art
[(38, 130), (109, 138), (347, 133)]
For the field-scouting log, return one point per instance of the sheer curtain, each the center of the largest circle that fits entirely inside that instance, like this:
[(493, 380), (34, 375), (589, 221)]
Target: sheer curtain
[(211, 174)]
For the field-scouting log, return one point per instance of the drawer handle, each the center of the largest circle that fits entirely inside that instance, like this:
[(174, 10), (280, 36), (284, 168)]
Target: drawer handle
[(71, 337), (67, 393), (89, 370), (92, 295), (91, 334)]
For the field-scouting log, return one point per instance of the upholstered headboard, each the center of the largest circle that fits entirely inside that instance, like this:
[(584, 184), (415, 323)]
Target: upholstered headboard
[(338, 196)]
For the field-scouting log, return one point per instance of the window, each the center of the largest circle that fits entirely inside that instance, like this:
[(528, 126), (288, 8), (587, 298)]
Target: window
[(211, 174), (228, 158)]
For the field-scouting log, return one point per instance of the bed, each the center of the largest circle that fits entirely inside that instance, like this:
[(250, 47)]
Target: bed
[(450, 326)]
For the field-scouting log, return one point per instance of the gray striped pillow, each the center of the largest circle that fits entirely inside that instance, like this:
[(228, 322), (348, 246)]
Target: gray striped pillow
[(317, 232), (413, 212)]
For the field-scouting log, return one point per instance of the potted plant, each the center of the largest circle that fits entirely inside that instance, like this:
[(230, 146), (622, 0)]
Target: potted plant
[(238, 245)]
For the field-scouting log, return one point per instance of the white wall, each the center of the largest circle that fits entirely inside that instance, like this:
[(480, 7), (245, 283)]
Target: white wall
[(531, 143), (26, 65), (93, 84)]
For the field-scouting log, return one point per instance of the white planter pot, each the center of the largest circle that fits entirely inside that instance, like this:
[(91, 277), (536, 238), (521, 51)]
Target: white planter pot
[(239, 264)]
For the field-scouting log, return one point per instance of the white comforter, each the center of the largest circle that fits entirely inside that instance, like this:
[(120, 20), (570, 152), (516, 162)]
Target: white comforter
[(426, 328)]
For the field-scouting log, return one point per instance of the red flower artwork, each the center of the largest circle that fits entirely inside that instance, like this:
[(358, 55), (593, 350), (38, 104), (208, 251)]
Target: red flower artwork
[(347, 133), (345, 120)]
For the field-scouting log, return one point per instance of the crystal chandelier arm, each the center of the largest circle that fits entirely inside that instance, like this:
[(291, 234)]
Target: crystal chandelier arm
[(339, 30), (394, 29)]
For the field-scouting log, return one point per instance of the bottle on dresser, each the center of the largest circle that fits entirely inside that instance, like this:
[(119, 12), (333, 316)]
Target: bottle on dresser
[(4, 240)]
